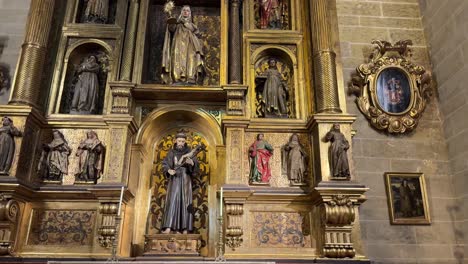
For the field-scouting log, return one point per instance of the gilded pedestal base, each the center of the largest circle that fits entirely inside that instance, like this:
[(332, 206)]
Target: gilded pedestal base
[(172, 244)]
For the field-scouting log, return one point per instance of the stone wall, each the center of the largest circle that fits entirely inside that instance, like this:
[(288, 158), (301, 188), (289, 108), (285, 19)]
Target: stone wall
[(13, 15), (446, 26), (425, 150)]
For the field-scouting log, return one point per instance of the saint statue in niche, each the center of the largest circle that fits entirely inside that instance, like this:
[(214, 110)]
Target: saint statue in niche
[(337, 153), (182, 58), (260, 153), (272, 92), (180, 166), (53, 164), (86, 92), (295, 161), (272, 14), (91, 159), (7, 144), (96, 11)]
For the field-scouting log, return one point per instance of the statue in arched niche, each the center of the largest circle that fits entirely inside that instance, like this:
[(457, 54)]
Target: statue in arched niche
[(87, 86), (272, 92), (183, 57)]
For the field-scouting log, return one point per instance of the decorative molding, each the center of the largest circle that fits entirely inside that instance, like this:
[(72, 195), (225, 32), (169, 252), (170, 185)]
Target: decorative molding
[(107, 230), (234, 230)]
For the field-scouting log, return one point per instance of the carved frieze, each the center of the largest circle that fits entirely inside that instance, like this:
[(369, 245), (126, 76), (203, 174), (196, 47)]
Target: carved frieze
[(62, 227)]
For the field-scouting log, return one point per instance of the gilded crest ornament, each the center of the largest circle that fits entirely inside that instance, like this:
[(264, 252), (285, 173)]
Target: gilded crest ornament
[(392, 91)]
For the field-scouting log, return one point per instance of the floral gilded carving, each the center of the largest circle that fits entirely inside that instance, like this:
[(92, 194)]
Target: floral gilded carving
[(62, 227), (392, 91), (280, 229)]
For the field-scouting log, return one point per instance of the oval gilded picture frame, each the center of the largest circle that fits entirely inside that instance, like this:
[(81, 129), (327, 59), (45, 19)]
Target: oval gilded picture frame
[(392, 91)]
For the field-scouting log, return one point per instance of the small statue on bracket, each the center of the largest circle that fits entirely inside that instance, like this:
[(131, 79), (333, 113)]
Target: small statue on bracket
[(338, 158), (295, 161), (260, 153), (53, 164), (272, 92), (8, 132), (91, 153), (96, 11)]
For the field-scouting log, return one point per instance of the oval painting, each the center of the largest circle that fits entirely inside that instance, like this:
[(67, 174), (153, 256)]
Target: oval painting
[(393, 90)]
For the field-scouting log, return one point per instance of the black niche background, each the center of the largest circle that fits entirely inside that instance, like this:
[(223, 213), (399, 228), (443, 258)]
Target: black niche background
[(206, 15)]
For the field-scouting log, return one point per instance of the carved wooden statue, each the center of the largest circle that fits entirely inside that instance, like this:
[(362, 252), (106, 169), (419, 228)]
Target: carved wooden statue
[(7, 144), (86, 92), (183, 58), (53, 164), (338, 156), (96, 11), (274, 95), (91, 155), (179, 166), (295, 161), (260, 153)]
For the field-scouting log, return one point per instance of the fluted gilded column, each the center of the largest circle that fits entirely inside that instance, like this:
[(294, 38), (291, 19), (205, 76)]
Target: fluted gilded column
[(130, 41), (33, 51), (234, 44), (326, 91)]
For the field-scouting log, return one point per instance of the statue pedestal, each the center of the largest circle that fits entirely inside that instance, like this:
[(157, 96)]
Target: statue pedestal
[(172, 244)]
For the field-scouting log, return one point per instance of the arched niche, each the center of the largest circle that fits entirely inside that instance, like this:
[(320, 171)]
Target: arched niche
[(286, 63), (76, 55), (156, 126)]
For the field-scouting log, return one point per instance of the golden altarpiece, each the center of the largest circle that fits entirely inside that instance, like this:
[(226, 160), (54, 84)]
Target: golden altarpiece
[(137, 115)]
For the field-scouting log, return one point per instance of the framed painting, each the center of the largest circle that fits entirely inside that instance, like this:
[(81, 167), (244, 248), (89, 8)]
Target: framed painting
[(391, 90), (407, 198)]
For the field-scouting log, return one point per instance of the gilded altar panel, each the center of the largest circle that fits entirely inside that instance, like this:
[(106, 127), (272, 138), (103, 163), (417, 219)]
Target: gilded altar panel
[(280, 229), (277, 140), (62, 227)]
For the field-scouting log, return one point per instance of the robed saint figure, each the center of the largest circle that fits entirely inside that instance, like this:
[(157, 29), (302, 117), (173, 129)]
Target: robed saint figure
[(178, 207), (337, 153), (182, 58), (260, 153)]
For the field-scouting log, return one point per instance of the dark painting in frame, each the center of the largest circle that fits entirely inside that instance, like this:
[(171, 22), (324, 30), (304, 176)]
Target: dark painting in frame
[(393, 90), (407, 198)]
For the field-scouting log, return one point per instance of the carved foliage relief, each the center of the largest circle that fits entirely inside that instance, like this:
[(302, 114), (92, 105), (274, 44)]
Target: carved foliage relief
[(277, 140), (280, 229), (62, 227)]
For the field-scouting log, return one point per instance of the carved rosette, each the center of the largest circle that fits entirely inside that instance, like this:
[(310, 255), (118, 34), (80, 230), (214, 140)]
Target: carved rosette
[(121, 97), (9, 213), (235, 100), (107, 231), (337, 218), (234, 230), (370, 91)]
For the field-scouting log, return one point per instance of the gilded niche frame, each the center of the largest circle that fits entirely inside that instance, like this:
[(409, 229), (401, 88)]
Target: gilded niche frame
[(392, 91), (407, 198)]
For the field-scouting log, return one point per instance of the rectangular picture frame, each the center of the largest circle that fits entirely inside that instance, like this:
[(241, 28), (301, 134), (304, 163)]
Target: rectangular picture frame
[(407, 198)]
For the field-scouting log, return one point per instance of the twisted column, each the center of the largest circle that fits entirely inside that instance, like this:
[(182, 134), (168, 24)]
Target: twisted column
[(326, 84), (33, 51), (235, 76), (130, 41)]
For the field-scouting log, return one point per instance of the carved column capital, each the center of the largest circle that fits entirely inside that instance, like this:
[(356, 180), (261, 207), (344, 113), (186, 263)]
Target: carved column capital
[(9, 214), (107, 231), (121, 97), (235, 99), (338, 208)]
